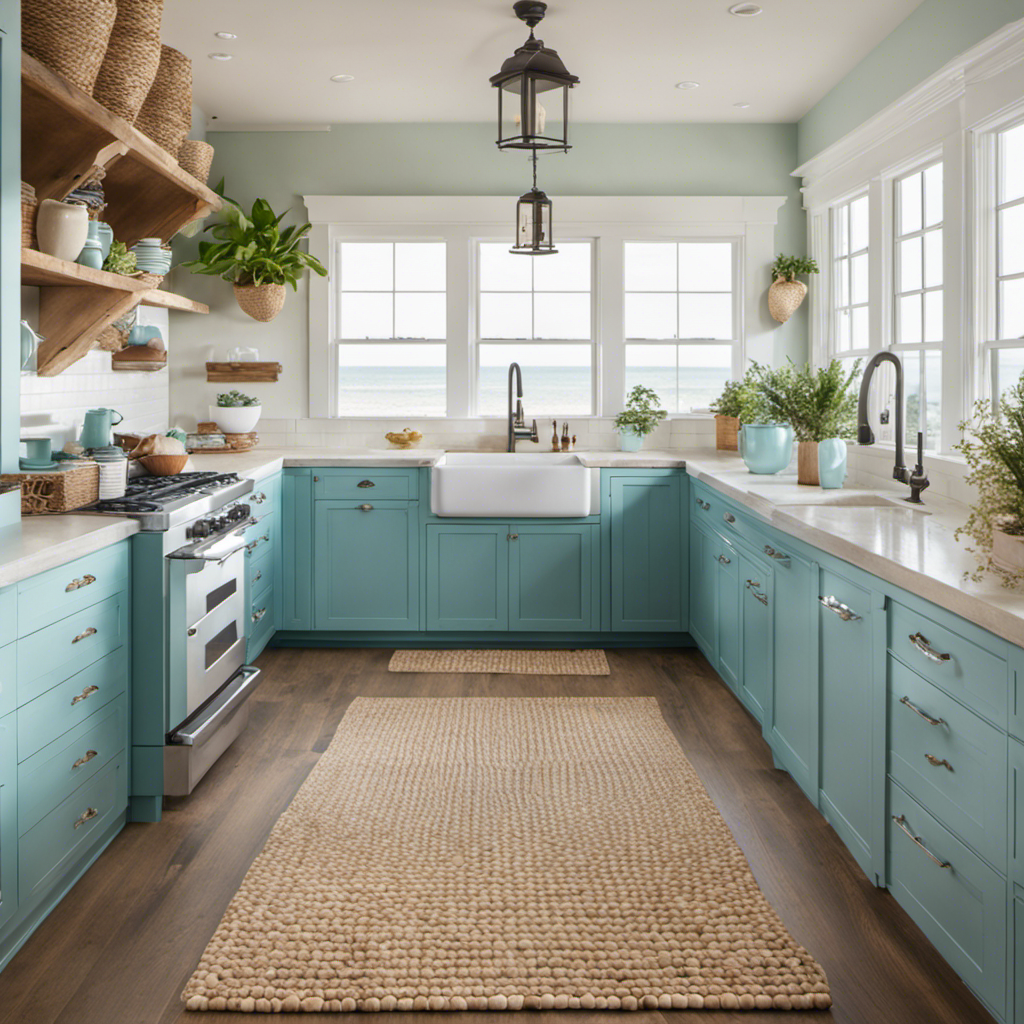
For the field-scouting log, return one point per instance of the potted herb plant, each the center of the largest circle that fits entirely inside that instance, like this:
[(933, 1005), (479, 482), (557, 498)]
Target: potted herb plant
[(256, 255), (993, 446), (765, 438), (786, 292), (236, 413), (640, 418), (727, 408), (821, 406)]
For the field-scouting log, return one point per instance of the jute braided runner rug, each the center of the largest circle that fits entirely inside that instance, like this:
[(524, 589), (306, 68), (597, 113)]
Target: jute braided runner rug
[(489, 853), (515, 662)]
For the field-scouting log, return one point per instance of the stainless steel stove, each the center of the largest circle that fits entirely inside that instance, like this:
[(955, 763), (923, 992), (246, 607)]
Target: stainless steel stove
[(162, 502)]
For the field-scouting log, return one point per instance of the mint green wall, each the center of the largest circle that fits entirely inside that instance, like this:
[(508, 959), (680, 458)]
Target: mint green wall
[(932, 35), (461, 159)]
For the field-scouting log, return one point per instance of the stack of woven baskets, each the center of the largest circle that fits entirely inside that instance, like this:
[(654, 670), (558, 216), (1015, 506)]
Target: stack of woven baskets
[(28, 215)]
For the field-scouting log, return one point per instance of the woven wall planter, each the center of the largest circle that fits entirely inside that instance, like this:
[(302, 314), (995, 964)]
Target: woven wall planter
[(195, 157), (807, 463), (784, 298), (261, 301), (68, 36), (132, 58), (727, 433), (166, 116)]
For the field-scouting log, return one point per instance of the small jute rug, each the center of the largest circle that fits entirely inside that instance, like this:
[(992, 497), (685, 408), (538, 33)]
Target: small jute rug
[(491, 853), (534, 663)]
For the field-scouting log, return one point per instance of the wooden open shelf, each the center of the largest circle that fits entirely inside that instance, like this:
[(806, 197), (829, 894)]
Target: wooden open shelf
[(170, 300), (250, 372), (65, 133)]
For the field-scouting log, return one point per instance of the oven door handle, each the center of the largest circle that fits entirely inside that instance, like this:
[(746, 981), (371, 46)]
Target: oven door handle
[(231, 697), (213, 556)]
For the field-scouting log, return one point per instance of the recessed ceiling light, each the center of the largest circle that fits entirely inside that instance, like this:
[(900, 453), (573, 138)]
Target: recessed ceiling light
[(742, 106), (745, 10), (343, 78), (219, 56), (225, 35), (687, 85)]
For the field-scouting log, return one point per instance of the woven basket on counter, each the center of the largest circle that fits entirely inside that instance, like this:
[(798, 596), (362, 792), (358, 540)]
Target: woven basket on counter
[(727, 430), (60, 490), (132, 58), (68, 36), (29, 204), (166, 116), (195, 157)]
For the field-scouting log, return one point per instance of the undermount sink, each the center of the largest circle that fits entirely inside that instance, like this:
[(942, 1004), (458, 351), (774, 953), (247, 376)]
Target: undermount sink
[(845, 500), (512, 484)]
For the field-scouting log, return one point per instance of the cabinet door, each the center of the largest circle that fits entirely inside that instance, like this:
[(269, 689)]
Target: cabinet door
[(756, 613), (551, 578), (296, 576), (846, 714), (703, 591), (647, 569), (729, 626), (367, 566), (8, 819), (467, 576)]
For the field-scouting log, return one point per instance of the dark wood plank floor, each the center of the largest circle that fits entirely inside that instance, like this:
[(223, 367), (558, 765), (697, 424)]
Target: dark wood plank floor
[(120, 947)]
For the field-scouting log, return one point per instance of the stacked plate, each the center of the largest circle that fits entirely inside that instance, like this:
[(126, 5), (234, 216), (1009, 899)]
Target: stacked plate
[(151, 257)]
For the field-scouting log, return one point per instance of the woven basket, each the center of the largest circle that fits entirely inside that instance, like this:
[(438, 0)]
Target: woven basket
[(784, 298), (261, 301), (132, 58), (110, 339), (58, 491), (195, 157), (166, 116), (807, 463), (29, 205), (68, 36), (727, 433)]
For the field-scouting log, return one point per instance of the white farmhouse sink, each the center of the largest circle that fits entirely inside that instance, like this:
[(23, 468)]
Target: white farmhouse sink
[(512, 484)]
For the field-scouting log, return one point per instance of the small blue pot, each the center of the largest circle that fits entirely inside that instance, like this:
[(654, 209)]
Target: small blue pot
[(832, 462), (766, 447), (630, 440)]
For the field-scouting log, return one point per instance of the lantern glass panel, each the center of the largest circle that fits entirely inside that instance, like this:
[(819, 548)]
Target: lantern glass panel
[(532, 113)]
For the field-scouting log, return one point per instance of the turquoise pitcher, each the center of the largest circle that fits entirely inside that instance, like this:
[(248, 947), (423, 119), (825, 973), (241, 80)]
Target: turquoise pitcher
[(96, 429), (766, 447)]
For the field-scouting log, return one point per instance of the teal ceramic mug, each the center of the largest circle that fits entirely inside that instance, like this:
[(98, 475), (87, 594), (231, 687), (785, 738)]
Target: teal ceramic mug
[(37, 449), (766, 447)]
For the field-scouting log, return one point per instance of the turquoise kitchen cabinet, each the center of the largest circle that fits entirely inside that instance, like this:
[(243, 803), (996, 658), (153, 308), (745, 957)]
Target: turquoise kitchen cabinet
[(756, 610), (553, 575), (366, 572), (296, 578), (704, 590), (8, 818), (467, 576), (1017, 977), (729, 621), (647, 530), (845, 671)]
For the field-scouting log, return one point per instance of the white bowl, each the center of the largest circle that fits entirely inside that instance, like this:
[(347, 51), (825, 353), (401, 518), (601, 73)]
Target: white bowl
[(236, 419)]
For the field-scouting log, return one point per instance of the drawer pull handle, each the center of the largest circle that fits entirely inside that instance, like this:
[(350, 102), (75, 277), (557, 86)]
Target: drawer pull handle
[(258, 498), (901, 823), (704, 505), (512, 536), (752, 583), (729, 517), (316, 479), (365, 508), (84, 695), (91, 631), (85, 759), (777, 555), (724, 560), (921, 643), (252, 547), (256, 616), (763, 598), (258, 576), (920, 713), (938, 762), (88, 816), (366, 483), (79, 583), (844, 612)]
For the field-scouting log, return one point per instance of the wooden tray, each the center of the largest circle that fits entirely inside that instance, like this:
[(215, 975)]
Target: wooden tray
[(233, 443)]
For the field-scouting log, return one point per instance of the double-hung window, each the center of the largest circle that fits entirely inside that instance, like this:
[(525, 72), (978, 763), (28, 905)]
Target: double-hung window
[(537, 311), (682, 320), (918, 299), (850, 327), (391, 328)]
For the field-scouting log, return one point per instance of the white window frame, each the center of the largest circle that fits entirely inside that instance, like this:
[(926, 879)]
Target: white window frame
[(610, 220), (835, 309)]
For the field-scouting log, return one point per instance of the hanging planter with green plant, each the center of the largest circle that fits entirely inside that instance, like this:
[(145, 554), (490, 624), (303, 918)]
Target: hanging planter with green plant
[(787, 293), (640, 418)]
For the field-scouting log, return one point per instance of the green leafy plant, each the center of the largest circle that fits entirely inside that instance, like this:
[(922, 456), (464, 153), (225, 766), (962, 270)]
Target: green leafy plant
[(642, 413), (817, 404), (785, 268), (254, 248), (231, 399), (731, 401), (120, 260), (993, 447)]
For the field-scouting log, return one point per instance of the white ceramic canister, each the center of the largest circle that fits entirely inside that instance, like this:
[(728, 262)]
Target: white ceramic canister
[(113, 465), (62, 229)]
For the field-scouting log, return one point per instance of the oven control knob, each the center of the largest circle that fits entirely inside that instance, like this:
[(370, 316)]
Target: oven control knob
[(239, 512), (200, 528)]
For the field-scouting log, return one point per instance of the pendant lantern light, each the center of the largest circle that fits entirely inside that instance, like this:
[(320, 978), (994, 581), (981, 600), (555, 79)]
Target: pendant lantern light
[(533, 72), (533, 222)]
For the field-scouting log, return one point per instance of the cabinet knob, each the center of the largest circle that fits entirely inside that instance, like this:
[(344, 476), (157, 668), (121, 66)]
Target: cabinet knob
[(258, 498), (256, 616), (729, 517), (316, 479), (365, 508), (84, 695)]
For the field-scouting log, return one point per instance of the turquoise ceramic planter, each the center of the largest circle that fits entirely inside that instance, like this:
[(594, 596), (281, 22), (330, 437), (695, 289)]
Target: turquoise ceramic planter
[(629, 440), (832, 462), (766, 447)]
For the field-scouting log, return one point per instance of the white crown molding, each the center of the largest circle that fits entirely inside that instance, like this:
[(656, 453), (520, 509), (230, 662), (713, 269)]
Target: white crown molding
[(987, 59), (661, 210), (240, 126)]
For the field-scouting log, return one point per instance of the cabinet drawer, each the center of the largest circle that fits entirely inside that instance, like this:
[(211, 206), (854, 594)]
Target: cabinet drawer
[(975, 676), (60, 592), (261, 571), (366, 484), (8, 616), (955, 768), (55, 772), (61, 708), (961, 908), (50, 655), (265, 495), (705, 505), (262, 627), (261, 537), (47, 850), (8, 679)]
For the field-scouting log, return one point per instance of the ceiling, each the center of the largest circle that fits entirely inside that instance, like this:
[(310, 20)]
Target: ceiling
[(416, 61)]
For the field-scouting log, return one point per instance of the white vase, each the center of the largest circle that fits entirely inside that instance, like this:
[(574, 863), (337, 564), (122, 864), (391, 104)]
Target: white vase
[(236, 419), (62, 229), (1007, 548)]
